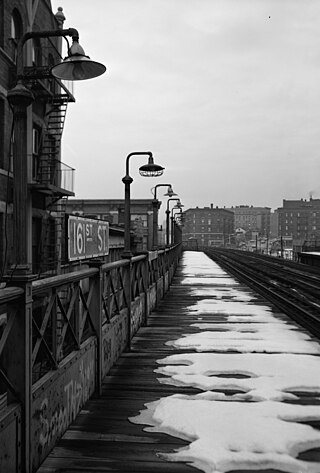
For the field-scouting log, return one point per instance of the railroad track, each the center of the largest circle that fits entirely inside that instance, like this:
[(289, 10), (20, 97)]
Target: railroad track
[(293, 287)]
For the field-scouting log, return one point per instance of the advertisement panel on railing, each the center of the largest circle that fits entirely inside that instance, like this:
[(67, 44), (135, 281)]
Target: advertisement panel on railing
[(87, 238)]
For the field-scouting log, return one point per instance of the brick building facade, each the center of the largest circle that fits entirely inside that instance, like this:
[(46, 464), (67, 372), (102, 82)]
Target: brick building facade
[(252, 219), (49, 180), (208, 226), (300, 220)]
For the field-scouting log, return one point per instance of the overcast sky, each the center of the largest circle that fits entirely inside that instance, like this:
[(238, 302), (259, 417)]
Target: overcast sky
[(225, 93)]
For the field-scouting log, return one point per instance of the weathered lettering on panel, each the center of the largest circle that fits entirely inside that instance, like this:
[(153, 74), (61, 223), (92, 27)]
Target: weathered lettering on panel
[(114, 340), (59, 403)]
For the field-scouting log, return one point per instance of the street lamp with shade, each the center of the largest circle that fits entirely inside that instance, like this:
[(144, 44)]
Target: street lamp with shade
[(155, 209), (177, 223), (168, 218), (178, 206), (19, 98), (147, 170), (77, 66), (150, 169)]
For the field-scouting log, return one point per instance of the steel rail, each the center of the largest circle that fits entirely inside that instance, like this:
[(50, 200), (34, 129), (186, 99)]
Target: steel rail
[(291, 297)]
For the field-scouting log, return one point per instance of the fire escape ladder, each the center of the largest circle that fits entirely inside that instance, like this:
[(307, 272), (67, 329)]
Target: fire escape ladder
[(50, 169)]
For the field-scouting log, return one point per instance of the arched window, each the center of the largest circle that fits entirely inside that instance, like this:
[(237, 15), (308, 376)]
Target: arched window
[(36, 52), (16, 32)]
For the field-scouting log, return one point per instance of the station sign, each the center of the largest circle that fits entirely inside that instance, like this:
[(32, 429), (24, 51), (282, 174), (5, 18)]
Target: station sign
[(87, 238)]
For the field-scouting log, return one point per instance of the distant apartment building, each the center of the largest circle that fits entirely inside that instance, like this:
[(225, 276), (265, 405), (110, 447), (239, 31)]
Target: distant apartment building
[(112, 210), (253, 219), (208, 226), (274, 224), (300, 219)]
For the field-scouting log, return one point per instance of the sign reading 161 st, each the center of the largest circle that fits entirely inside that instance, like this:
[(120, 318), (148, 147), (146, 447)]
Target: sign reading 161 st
[(87, 238)]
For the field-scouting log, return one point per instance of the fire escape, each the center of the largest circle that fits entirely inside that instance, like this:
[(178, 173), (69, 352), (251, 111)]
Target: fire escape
[(52, 181), (49, 173)]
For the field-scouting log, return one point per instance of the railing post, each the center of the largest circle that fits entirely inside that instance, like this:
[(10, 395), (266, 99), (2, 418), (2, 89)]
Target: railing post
[(163, 266), (96, 315), (155, 278), (146, 290), (19, 364), (166, 265), (128, 291)]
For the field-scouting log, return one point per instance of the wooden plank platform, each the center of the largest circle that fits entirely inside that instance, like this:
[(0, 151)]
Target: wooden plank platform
[(102, 439)]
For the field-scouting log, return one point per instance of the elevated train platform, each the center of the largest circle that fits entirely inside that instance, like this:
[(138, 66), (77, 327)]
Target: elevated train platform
[(309, 257), (218, 381)]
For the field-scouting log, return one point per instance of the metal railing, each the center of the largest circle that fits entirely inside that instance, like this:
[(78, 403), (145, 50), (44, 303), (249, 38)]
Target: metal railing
[(55, 173), (59, 336)]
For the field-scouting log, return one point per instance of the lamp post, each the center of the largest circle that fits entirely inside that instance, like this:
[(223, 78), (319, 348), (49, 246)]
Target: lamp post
[(147, 170), (168, 219), (155, 209), (176, 207), (176, 215), (177, 226), (76, 66)]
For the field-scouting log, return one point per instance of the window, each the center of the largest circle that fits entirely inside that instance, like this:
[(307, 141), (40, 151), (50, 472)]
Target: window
[(140, 220), (35, 152), (16, 32), (36, 52), (16, 25), (11, 152), (35, 141)]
